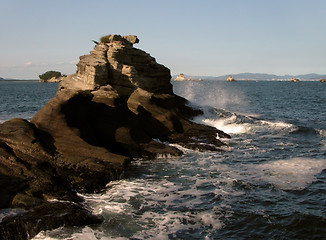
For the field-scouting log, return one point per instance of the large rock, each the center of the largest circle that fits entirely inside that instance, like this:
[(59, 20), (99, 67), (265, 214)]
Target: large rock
[(118, 64), (118, 106)]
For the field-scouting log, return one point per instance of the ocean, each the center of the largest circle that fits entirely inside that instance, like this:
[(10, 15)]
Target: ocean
[(269, 182)]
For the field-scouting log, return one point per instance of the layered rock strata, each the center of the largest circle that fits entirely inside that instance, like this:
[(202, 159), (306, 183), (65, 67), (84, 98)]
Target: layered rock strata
[(119, 105)]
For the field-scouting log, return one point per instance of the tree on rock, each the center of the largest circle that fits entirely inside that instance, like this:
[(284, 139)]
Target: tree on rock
[(50, 74)]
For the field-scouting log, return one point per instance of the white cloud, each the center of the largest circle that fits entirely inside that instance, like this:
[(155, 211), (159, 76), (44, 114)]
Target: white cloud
[(73, 62)]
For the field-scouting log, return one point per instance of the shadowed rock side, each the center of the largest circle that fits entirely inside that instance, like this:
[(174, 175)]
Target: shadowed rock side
[(118, 106)]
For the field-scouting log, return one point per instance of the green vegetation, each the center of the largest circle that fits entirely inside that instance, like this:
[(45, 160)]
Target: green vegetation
[(50, 74), (106, 39)]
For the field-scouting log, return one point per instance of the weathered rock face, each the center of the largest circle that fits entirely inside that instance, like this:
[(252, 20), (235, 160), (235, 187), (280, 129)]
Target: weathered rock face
[(119, 105), (120, 65)]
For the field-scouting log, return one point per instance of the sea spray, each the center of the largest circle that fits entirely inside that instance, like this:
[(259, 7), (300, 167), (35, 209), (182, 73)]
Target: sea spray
[(223, 97), (270, 184)]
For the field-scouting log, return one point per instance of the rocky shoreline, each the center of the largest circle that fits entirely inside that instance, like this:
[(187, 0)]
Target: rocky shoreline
[(119, 105)]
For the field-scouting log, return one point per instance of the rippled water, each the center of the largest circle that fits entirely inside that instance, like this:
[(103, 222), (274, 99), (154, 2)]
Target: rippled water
[(268, 183), (23, 99)]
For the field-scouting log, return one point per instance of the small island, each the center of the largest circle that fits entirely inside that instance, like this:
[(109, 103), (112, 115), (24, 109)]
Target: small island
[(230, 79), (294, 80), (181, 77), (51, 77)]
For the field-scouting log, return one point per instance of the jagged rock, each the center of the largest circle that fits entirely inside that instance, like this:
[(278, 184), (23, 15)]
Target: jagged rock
[(25, 225), (120, 65), (180, 77), (118, 106)]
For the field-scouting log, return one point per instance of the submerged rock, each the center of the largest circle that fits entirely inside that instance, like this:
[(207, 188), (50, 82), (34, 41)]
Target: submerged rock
[(119, 105)]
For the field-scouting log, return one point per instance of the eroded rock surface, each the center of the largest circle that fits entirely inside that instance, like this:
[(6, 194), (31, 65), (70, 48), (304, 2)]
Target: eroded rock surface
[(119, 105)]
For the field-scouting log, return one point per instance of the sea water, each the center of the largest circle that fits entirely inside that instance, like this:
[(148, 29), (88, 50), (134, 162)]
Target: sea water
[(22, 99), (269, 182)]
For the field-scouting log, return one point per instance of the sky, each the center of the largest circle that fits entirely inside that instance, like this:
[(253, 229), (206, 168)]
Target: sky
[(201, 38)]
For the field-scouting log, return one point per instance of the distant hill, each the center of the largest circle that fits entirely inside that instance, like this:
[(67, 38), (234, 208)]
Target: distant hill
[(311, 76), (261, 76), (265, 76), (17, 80)]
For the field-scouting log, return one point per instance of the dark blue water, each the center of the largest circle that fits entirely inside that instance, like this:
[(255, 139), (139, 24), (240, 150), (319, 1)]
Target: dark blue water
[(23, 99), (269, 183)]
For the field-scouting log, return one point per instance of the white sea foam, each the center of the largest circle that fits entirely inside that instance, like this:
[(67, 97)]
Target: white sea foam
[(232, 123), (228, 125), (158, 208), (295, 173), (85, 233), (276, 125)]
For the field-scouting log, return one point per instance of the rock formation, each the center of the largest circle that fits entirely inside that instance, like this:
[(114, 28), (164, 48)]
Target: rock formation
[(119, 105), (294, 80), (52, 80), (180, 77), (230, 79), (118, 64)]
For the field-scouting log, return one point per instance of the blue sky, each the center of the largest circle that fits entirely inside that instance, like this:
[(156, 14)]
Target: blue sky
[(203, 37)]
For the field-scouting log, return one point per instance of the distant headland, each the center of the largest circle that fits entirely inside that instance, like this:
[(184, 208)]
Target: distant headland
[(256, 77), (17, 80), (239, 76)]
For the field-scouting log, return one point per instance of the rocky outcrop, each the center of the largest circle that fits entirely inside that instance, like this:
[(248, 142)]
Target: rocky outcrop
[(118, 64), (52, 80), (294, 80), (119, 105), (230, 79), (180, 77)]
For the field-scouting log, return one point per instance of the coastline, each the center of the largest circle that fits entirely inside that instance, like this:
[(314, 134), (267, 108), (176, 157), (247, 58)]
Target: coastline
[(18, 80), (88, 133)]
